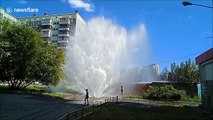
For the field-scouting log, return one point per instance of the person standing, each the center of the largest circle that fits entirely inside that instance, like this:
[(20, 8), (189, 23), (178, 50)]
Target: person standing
[(86, 99), (122, 91)]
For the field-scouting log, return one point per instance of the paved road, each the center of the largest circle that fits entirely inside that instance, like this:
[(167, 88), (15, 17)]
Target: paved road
[(34, 107)]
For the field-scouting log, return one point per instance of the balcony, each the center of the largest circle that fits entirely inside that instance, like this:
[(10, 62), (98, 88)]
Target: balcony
[(64, 34), (62, 46), (46, 34), (63, 28), (60, 40), (45, 29), (46, 22), (64, 21)]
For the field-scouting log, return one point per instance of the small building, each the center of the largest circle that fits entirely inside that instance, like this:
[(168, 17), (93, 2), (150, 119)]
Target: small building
[(205, 62)]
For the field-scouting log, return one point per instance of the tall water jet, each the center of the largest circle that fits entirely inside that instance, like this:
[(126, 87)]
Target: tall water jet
[(97, 53)]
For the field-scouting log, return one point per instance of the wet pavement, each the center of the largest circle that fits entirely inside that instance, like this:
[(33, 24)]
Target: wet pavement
[(38, 107), (34, 107)]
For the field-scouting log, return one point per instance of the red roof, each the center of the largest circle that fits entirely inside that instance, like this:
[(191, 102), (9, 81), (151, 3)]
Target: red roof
[(208, 55)]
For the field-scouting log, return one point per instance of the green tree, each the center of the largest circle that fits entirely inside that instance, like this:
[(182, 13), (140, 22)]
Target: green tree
[(24, 58), (185, 72)]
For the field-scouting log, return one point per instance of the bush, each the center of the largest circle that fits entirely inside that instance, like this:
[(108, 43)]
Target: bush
[(168, 92), (183, 94), (185, 97), (163, 93)]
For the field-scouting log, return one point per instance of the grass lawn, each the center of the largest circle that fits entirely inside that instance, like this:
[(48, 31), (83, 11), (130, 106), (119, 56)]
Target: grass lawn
[(34, 89), (43, 90), (37, 89), (118, 112)]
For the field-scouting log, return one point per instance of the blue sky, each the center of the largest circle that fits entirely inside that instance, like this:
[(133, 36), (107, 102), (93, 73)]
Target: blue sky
[(175, 32)]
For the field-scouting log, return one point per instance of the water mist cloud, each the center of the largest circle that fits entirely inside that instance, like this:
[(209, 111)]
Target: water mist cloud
[(98, 52)]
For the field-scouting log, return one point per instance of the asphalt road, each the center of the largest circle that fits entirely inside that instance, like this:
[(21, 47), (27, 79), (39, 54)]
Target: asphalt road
[(34, 107)]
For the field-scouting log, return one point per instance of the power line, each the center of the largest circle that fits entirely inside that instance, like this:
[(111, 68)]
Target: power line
[(179, 57)]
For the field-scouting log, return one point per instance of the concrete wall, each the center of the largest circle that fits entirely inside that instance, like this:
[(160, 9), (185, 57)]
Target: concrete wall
[(80, 23)]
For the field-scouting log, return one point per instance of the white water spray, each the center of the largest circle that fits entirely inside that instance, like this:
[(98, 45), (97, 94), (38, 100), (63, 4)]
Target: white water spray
[(97, 53)]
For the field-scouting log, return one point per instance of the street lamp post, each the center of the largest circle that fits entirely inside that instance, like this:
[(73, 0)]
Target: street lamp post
[(187, 3)]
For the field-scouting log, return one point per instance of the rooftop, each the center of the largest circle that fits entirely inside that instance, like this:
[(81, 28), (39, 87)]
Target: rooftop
[(208, 55)]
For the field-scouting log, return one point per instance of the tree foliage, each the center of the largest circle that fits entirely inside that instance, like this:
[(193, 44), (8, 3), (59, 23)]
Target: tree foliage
[(185, 72), (24, 58)]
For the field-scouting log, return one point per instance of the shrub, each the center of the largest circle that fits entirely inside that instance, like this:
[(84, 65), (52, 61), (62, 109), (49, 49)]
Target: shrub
[(168, 92), (183, 94), (185, 97), (162, 93)]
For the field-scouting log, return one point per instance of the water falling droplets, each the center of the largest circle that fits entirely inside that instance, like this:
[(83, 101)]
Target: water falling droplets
[(97, 53)]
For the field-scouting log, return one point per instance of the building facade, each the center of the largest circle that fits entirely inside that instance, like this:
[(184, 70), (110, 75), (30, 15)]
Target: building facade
[(205, 62), (56, 28)]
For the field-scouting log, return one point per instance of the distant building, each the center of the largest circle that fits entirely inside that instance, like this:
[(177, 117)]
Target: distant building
[(156, 69), (205, 62), (56, 28), (150, 72), (140, 74)]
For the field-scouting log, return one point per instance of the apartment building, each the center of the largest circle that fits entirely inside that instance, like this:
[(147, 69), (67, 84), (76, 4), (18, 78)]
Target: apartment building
[(55, 28), (7, 16)]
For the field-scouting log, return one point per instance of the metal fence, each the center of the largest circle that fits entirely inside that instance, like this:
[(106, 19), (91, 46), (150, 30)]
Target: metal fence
[(81, 112)]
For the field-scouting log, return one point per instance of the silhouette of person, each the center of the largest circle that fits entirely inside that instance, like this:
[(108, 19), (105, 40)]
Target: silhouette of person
[(86, 99), (122, 91)]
